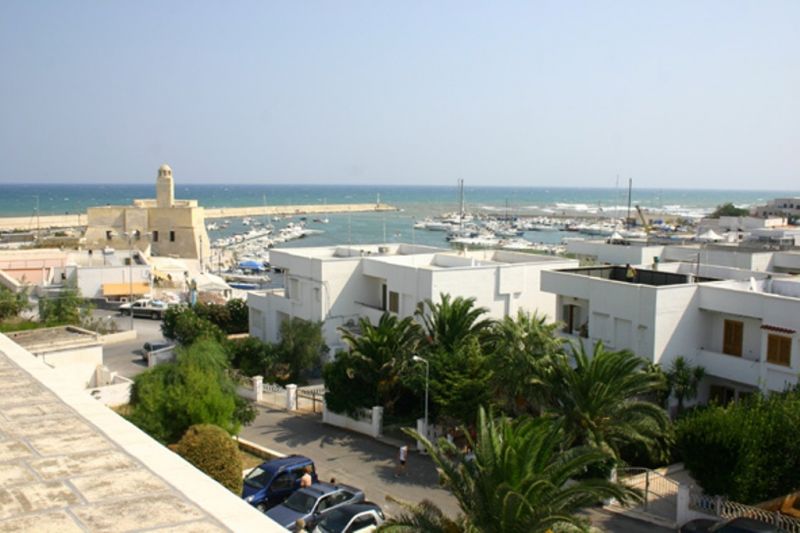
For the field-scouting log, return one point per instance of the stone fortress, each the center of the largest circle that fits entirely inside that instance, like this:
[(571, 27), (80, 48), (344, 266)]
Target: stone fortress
[(164, 226)]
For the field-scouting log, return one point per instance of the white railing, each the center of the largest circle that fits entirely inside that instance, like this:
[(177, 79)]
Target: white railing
[(726, 509), (659, 493), (274, 394)]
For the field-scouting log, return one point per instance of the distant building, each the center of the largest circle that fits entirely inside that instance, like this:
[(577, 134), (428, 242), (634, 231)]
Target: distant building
[(338, 285), (168, 227), (779, 207)]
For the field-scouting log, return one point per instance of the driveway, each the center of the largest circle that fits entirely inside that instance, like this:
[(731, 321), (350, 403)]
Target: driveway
[(358, 460)]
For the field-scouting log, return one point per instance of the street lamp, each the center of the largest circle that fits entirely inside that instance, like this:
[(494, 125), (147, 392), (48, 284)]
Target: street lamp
[(419, 359)]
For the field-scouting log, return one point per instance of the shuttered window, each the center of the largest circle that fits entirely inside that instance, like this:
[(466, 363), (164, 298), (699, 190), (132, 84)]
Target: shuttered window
[(732, 338), (779, 350), (394, 302)]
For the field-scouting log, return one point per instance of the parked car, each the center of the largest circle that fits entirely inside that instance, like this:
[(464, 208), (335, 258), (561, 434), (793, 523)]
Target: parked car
[(352, 518), (313, 503), (735, 525), (153, 347), (272, 482), (145, 307)]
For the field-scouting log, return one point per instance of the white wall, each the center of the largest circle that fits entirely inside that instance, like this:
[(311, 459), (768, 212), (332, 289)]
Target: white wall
[(76, 365), (91, 279), (615, 254)]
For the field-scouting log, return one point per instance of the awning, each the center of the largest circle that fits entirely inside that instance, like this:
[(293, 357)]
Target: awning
[(124, 289), (777, 329)]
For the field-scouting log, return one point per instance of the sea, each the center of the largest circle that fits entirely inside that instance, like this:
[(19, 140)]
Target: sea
[(413, 203)]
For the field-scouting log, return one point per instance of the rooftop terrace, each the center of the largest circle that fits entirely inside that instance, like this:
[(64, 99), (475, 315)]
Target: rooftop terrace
[(653, 278)]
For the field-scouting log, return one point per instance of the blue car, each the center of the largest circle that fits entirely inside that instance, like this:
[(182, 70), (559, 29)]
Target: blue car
[(272, 482), (313, 503)]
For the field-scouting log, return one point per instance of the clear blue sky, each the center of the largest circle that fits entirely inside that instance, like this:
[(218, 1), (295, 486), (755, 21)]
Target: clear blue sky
[(676, 94)]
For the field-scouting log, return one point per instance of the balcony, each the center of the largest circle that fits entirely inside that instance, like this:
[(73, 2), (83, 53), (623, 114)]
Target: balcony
[(731, 367), (373, 312)]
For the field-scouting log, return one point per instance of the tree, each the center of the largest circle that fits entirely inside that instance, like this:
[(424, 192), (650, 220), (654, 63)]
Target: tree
[(196, 389), (729, 210), (683, 379), (301, 347), (252, 356), (12, 303), (212, 450), (601, 401), (231, 317), (748, 451), (61, 309), (519, 349), (459, 382), (520, 479), (182, 324), (450, 321), (424, 516)]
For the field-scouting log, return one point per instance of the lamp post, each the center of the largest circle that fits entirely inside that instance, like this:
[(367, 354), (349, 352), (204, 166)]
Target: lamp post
[(419, 359)]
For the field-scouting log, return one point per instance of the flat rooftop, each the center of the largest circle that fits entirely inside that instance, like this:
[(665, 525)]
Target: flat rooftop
[(655, 278), (68, 463), (56, 338)]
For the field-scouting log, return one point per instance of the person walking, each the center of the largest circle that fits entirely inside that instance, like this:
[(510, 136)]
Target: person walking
[(402, 457), (305, 479)]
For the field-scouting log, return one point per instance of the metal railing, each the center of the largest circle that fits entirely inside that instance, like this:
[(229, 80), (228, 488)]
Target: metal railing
[(726, 509), (274, 394)]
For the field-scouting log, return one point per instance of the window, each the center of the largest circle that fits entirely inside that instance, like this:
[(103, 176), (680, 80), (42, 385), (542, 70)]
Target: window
[(109, 234), (721, 395), (732, 338), (779, 350), (362, 522), (171, 236), (394, 302), (383, 297), (284, 481), (294, 289), (155, 236)]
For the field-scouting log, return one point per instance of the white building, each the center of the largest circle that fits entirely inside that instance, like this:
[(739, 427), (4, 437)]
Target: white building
[(741, 326), (779, 207), (746, 255), (338, 285)]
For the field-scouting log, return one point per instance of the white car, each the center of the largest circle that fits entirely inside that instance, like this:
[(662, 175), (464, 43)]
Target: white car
[(352, 518), (145, 307)]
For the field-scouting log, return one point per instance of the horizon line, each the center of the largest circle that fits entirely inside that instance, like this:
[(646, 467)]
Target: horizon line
[(427, 186)]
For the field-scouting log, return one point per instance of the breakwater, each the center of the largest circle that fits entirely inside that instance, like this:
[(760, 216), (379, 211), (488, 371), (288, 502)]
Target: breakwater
[(32, 222)]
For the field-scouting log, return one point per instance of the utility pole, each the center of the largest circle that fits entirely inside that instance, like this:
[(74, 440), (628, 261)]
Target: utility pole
[(630, 189)]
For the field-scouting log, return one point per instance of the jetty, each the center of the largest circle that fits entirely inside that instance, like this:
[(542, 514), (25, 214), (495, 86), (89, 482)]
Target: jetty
[(75, 220)]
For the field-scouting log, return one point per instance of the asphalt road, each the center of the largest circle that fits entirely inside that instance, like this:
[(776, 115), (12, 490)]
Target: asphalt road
[(126, 357), (369, 464)]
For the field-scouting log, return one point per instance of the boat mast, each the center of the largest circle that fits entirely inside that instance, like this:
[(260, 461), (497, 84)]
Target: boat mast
[(630, 188), (461, 208)]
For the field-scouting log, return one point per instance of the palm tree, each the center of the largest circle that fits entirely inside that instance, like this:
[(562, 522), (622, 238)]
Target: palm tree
[(602, 400), (519, 478), (382, 352), (683, 378), (520, 347), (424, 516), (450, 321)]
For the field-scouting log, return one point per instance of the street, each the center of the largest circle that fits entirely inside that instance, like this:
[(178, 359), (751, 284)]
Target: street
[(126, 357), (369, 465)]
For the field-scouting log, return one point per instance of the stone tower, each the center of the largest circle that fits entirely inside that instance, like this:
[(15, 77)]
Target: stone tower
[(165, 188)]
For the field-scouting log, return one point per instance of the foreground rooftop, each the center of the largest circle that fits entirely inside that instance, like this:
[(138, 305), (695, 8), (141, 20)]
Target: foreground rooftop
[(68, 463)]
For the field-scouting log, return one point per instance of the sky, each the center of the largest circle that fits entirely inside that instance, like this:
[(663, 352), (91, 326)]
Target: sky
[(683, 94)]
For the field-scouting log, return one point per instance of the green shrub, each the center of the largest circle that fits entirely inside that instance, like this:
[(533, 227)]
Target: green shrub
[(252, 356), (748, 451), (212, 450), (61, 309), (183, 325), (196, 389), (231, 317), (12, 303), (301, 347)]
